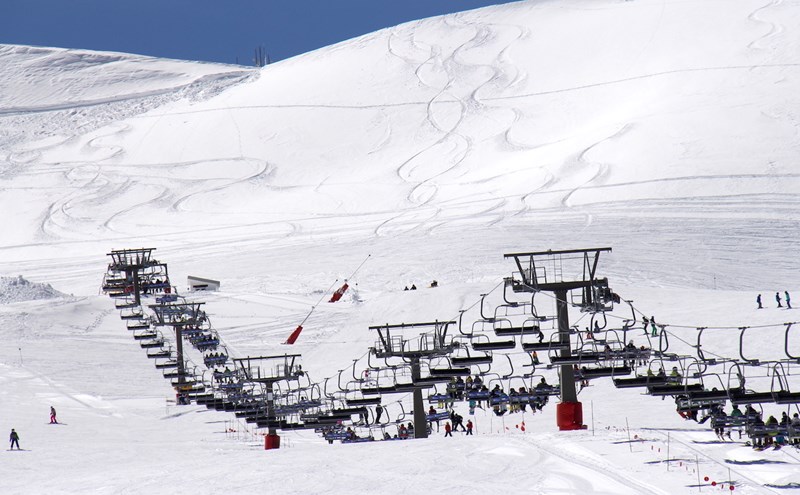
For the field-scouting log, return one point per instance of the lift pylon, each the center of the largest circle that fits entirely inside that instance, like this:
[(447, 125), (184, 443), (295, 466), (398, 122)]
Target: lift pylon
[(429, 344), (545, 271)]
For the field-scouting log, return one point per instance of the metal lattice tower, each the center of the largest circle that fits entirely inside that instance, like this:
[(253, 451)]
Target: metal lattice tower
[(545, 272), (432, 343)]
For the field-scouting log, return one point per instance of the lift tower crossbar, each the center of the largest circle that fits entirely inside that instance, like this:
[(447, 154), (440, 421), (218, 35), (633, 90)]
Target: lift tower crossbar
[(131, 262)]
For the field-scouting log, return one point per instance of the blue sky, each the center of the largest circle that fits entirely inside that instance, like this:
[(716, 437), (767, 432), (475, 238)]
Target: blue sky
[(213, 30)]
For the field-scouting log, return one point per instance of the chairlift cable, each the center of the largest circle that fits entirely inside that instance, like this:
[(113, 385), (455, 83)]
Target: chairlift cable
[(708, 327), (320, 300), (358, 268)]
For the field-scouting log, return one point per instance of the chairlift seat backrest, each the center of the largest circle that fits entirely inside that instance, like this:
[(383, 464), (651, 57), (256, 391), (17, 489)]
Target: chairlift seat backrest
[(511, 331), (673, 389), (640, 381), (492, 346), (752, 397)]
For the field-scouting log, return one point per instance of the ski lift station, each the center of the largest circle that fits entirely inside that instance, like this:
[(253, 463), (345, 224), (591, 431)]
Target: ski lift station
[(197, 283)]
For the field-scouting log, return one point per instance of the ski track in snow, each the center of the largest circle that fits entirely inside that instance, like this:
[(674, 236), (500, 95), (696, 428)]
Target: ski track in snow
[(600, 469), (425, 191), (602, 169), (774, 28), (260, 169)]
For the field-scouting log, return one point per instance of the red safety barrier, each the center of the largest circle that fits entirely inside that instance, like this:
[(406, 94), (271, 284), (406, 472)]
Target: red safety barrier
[(339, 293), (294, 335)]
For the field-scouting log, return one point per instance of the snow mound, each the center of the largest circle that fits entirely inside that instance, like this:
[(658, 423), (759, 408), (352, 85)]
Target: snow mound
[(17, 289)]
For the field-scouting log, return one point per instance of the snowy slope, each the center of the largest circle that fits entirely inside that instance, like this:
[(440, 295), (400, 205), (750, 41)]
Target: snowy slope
[(665, 129)]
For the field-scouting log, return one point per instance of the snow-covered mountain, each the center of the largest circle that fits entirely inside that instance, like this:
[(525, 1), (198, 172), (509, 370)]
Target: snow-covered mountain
[(665, 129)]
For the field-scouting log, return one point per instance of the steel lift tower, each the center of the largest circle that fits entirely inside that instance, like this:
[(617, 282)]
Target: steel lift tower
[(545, 272)]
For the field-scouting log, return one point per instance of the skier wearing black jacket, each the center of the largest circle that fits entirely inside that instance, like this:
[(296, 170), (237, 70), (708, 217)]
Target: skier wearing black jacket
[(14, 439)]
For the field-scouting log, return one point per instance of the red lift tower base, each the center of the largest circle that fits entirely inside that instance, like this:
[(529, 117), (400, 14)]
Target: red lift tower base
[(272, 441), (570, 416)]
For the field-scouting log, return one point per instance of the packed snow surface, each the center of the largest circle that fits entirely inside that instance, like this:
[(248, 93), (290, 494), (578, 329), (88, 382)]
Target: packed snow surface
[(16, 289), (668, 130)]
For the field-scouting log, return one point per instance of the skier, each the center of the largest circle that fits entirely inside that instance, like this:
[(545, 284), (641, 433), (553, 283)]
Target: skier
[(458, 420), (448, 430), (778, 299), (469, 427), (653, 327), (788, 301), (758, 301), (432, 418), (53, 420), (14, 439)]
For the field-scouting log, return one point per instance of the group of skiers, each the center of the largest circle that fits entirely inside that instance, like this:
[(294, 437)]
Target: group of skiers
[(433, 284), (652, 324), (777, 300), (13, 438), (448, 430)]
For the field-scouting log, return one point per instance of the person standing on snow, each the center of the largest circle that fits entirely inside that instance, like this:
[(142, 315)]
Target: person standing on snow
[(448, 430), (653, 327), (469, 427), (14, 439), (788, 301), (758, 301), (53, 420), (778, 299)]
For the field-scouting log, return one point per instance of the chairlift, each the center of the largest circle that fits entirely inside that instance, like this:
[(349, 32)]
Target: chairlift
[(166, 353), (751, 397), (449, 372), (528, 327), (483, 316), (754, 362), (365, 401), (674, 389), (126, 304), (783, 395), (513, 309), (602, 371), (640, 381), (497, 345), (786, 343), (577, 358), (599, 327), (380, 390), (461, 322), (471, 360), (167, 364), (137, 324), (132, 315), (145, 335), (544, 346), (152, 343), (511, 368)]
